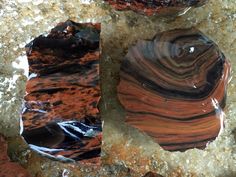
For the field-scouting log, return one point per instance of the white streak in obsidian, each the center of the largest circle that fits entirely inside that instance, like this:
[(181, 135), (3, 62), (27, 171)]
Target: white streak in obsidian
[(73, 127), (43, 151)]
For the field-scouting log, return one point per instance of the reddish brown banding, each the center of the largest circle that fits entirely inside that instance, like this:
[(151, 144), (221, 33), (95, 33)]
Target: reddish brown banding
[(64, 86), (174, 88), (160, 7)]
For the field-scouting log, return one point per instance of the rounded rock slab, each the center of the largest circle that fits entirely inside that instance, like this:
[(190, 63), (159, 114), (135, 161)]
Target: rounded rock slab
[(173, 88)]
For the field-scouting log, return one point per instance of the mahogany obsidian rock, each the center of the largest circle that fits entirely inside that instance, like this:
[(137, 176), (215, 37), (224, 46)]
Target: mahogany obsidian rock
[(162, 7), (173, 88), (63, 92)]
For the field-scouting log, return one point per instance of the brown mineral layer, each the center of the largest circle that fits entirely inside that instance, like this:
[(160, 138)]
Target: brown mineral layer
[(173, 88), (8, 168), (160, 7)]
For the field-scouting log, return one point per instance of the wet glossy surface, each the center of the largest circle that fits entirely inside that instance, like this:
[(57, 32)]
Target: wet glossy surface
[(174, 88), (160, 7), (60, 113)]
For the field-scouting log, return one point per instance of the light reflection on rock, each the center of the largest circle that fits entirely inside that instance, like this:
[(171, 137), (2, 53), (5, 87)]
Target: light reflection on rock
[(60, 115)]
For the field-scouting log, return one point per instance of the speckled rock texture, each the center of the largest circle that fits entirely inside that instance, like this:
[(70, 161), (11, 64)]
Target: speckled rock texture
[(151, 174), (8, 168), (62, 92), (125, 151)]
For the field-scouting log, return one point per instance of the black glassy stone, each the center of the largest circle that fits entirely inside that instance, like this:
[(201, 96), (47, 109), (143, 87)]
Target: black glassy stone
[(61, 115)]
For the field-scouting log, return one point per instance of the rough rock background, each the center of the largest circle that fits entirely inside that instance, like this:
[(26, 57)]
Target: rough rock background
[(126, 152)]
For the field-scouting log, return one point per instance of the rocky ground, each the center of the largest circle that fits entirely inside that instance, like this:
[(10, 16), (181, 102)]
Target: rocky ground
[(125, 151)]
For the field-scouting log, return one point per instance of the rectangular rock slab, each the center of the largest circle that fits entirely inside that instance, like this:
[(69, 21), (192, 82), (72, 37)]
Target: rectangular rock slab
[(63, 92)]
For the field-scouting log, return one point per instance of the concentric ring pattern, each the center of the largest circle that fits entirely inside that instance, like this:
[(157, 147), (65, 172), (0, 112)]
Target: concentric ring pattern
[(173, 88)]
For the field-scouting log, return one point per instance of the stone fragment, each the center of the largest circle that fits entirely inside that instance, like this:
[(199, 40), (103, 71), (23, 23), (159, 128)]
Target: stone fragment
[(60, 115), (160, 7), (173, 88)]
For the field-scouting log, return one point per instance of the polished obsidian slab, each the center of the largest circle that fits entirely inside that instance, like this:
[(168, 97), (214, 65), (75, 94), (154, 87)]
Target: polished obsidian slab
[(160, 7), (173, 88), (60, 114)]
